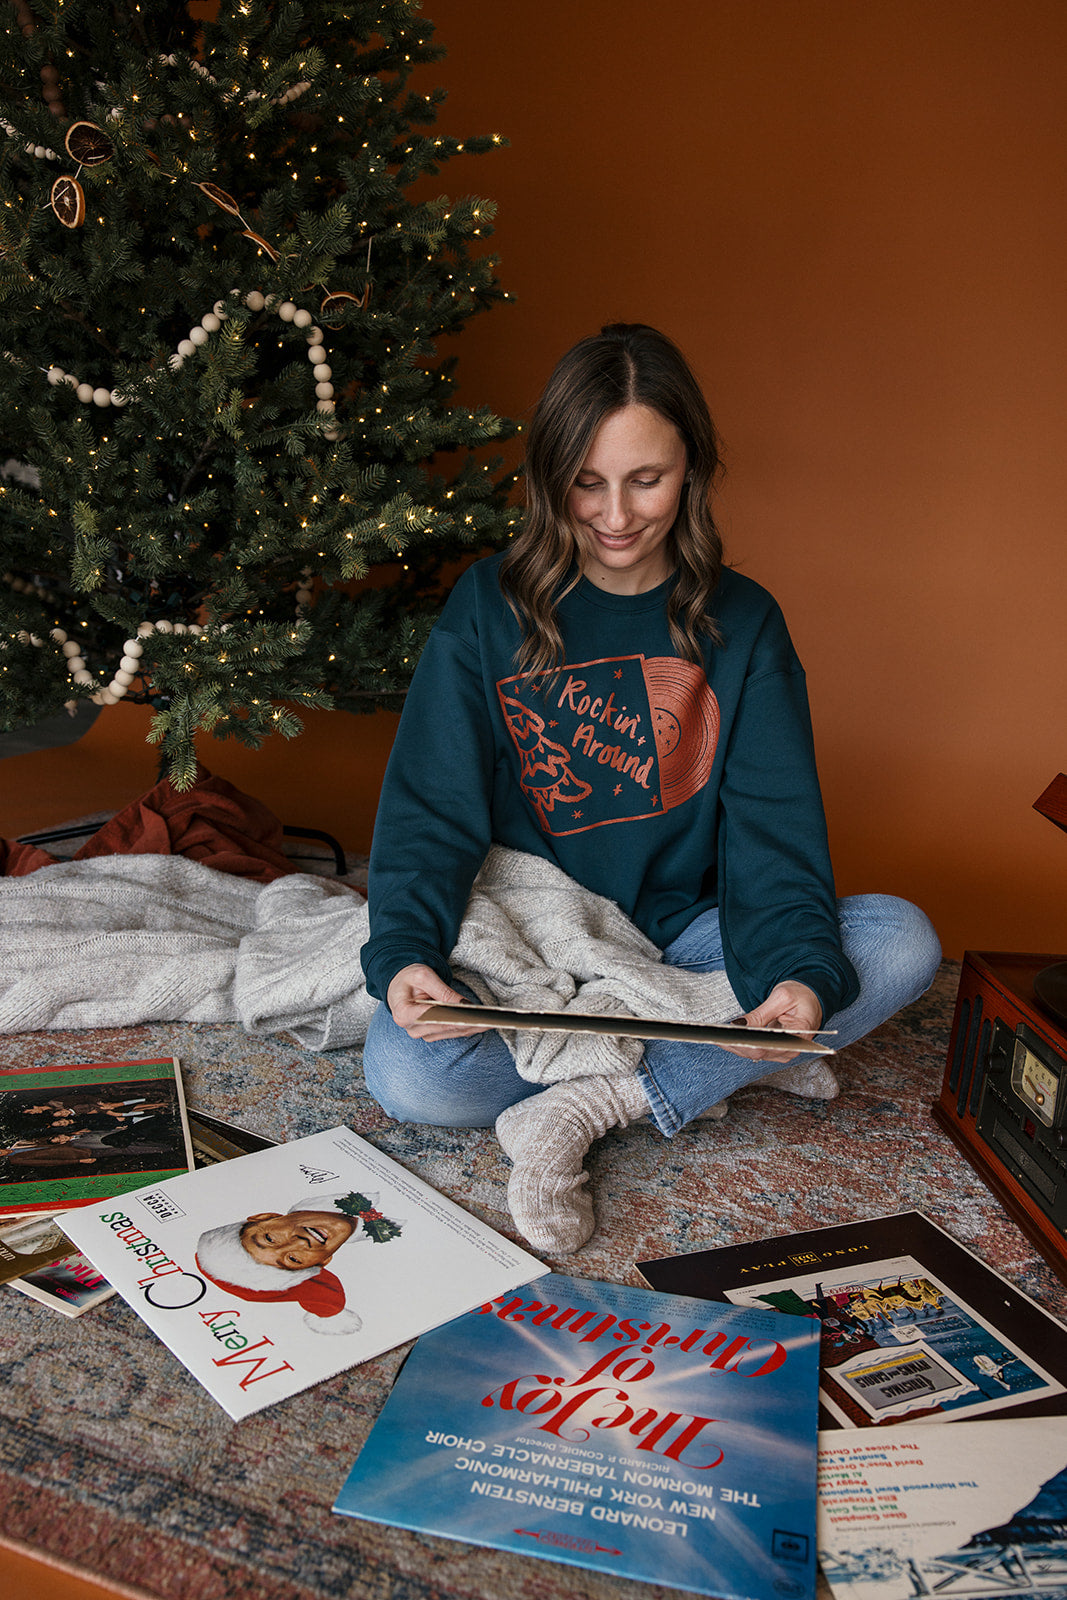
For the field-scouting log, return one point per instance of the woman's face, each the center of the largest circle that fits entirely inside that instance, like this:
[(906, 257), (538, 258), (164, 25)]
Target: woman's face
[(625, 500)]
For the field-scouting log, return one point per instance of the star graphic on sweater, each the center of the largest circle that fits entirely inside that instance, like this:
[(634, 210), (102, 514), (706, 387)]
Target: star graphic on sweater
[(641, 740), (577, 816), (619, 673), (617, 789), (553, 723)]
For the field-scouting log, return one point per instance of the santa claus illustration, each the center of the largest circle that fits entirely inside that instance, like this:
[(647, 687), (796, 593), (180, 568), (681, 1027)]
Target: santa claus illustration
[(271, 1257)]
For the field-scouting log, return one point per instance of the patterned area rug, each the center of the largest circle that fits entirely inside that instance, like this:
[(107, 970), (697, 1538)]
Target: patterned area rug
[(116, 1461)]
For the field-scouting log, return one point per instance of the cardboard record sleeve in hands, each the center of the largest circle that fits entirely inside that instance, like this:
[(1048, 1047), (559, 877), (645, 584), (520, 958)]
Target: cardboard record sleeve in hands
[(732, 1035)]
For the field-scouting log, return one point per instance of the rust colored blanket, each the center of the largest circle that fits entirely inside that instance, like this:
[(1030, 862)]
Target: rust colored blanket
[(213, 823)]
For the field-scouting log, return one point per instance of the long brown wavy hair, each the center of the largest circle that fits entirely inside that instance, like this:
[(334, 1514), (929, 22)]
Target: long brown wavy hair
[(625, 364)]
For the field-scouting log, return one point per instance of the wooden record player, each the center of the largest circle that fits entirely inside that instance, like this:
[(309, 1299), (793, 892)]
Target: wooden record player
[(1004, 1096)]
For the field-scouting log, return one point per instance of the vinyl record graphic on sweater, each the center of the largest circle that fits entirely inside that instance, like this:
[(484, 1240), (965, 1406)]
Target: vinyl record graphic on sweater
[(612, 740)]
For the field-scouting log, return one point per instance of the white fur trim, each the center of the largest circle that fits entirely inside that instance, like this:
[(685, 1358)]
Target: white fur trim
[(343, 1322)]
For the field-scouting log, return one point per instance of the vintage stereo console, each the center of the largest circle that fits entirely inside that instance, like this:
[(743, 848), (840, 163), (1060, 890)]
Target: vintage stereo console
[(1004, 1095)]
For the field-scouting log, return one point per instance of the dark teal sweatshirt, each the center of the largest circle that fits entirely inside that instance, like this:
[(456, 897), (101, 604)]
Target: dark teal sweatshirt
[(665, 787)]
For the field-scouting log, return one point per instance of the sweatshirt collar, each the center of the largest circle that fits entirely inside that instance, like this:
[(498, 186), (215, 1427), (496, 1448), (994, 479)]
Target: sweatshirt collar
[(648, 600)]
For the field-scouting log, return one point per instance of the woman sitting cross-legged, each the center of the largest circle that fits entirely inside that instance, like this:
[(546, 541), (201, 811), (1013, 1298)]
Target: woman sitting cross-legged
[(609, 697)]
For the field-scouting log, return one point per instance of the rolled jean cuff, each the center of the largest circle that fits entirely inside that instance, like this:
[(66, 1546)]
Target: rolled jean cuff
[(664, 1115)]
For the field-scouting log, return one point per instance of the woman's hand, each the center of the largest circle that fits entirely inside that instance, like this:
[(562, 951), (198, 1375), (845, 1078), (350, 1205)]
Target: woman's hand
[(411, 991), (790, 1005)]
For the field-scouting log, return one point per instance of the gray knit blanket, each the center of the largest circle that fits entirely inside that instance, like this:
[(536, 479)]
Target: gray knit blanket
[(118, 940)]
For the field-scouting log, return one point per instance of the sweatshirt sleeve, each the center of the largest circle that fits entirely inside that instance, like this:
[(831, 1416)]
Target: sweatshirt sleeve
[(433, 829), (777, 904)]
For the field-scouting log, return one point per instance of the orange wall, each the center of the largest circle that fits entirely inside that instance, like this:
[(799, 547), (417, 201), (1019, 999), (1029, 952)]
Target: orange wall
[(853, 216), (851, 213)]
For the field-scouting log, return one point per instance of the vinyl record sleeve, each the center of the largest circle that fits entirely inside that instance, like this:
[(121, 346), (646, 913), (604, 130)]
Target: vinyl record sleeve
[(968, 1511), (389, 1258), (724, 1033), (70, 1285), (914, 1325), (81, 1131), (605, 1426), (28, 1243)]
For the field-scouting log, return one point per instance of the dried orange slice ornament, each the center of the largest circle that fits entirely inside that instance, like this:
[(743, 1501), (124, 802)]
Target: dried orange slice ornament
[(68, 201), (257, 238), (221, 198), (335, 304), (89, 144)]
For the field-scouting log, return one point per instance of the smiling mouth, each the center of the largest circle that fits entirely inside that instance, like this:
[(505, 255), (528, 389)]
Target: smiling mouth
[(316, 1235), (617, 540)]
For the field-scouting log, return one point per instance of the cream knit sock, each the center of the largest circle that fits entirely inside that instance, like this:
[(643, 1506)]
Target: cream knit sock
[(814, 1079), (547, 1136)]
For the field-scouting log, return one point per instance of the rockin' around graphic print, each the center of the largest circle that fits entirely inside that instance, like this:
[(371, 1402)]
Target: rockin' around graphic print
[(612, 740)]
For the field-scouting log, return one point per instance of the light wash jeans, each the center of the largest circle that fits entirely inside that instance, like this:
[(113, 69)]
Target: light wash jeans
[(466, 1083)]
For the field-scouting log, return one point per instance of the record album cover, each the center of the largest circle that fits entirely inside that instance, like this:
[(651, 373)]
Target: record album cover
[(975, 1510), (609, 1427), (914, 1325), (82, 1130), (269, 1272)]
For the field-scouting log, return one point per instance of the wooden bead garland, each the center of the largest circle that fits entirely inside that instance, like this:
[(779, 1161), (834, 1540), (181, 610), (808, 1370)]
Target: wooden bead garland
[(51, 93), (27, 586), (40, 151), (304, 589), (132, 650), (210, 323), (128, 667), (130, 663)]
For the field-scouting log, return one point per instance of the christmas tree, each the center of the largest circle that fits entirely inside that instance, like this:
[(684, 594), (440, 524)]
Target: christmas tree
[(224, 402)]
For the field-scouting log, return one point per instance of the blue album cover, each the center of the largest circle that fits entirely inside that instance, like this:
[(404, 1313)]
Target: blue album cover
[(644, 1434), (898, 1343), (976, 1509)]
